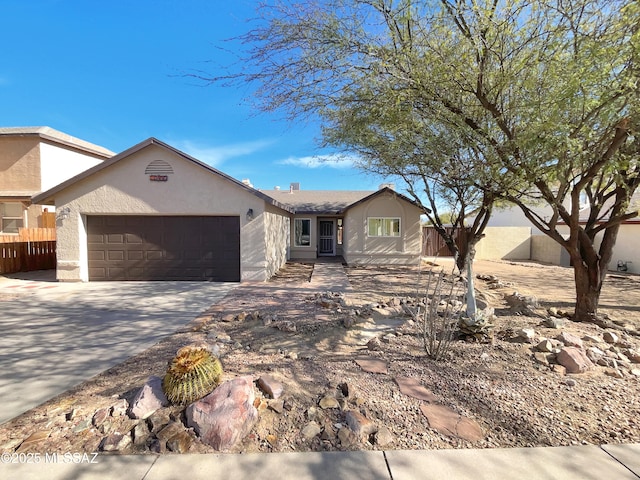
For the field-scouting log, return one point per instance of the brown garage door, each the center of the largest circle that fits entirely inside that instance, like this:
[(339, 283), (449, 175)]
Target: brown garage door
[(164, 248)]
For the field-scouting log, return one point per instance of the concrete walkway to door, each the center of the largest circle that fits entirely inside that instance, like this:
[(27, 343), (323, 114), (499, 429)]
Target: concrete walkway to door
[(329, 277), (56, 335)]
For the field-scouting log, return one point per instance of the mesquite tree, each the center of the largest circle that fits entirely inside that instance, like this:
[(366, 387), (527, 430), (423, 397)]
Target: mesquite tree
[(544, 94)]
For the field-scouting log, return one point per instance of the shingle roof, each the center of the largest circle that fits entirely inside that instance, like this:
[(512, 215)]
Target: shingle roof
[(318, 201), (57, 137), (328, 202)]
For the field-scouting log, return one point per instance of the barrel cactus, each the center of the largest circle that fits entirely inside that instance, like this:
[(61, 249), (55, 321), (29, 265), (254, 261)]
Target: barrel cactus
[(192, 374)]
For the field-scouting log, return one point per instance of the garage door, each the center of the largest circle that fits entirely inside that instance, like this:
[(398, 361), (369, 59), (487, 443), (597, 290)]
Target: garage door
[(164, 248)]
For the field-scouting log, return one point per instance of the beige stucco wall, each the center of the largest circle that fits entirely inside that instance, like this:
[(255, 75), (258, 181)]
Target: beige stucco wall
[(546, 250), (505, 243), (276, 240), (626, 248), (19, 164), (59, 164), (124, 189), (359, 248)]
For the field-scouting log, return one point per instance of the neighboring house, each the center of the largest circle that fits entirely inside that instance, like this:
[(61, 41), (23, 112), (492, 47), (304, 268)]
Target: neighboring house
[(153, 212), (34, 159), (501, 228)]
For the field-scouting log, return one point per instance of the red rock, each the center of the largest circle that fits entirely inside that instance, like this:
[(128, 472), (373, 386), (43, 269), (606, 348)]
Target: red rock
[(372, 365), (225, 416), (452, 424), (148, 399), (574, 360), (270, 386), (413, 388), (361, 425), (570, 340)]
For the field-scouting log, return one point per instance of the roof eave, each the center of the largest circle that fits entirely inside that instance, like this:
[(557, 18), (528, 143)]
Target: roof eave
[(48, 197)]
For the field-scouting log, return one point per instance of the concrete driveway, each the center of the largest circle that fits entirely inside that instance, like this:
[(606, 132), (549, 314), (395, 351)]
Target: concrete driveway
[(56, 335)]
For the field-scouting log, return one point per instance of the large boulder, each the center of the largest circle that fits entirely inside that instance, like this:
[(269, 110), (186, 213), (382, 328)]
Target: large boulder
[(226, 415)]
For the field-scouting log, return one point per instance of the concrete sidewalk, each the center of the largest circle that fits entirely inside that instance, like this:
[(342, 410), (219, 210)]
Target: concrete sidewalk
[(620, 462)]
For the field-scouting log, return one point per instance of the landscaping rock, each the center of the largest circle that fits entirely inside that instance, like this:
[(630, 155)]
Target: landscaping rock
[(383, 437), (148, 399), (553, 322), (413, 388), (451, 423), (180, 443), (311, 429), (347, 437), (359, 424), (594, 354), (328, 402), (521, 304), (574, 360), (526, 335), (157, 421), (100, 417), (33, 439), (226, 415), (570, 340), (372, 365), (270, 386), (544, 346), (611, 337), (115, 442)]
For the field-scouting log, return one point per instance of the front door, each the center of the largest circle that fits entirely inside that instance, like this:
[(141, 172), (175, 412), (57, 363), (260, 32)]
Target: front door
[(327, 246)]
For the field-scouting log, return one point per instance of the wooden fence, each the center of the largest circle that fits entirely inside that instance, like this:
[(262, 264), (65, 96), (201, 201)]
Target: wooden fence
[(30, 235), (433, 244), (27, 256)]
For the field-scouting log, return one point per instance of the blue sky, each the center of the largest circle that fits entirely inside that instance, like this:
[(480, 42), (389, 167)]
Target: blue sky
[(112, 73)]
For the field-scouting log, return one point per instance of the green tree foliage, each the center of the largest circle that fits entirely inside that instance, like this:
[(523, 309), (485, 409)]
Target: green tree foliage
[(532, 102)]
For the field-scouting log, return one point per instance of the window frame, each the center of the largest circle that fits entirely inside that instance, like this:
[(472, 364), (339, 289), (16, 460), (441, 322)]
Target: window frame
[(20, 219), (391, 233), (295, 237)]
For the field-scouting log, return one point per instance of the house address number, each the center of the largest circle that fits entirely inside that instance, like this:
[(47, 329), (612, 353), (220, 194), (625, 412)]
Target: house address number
[(158, 178)]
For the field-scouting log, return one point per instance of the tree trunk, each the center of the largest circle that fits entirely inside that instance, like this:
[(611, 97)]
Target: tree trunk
[(589, 280)]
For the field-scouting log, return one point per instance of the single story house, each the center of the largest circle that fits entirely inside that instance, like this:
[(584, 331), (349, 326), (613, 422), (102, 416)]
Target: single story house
[(153, 212)]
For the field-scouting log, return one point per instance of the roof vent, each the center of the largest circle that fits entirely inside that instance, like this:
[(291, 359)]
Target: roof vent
[(158, 167), (276, 188), (294, 186), (390, 186), (247, 182)]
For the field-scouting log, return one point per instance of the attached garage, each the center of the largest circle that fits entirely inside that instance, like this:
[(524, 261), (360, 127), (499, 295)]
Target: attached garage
[(193, 248), (155, 213)]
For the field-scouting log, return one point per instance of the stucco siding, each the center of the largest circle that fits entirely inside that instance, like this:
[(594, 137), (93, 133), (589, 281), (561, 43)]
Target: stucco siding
[(546, 250), (59, 164), (125, 189), (626, 248), (505, 243), (360, 248), (276, 240), (19, 164)]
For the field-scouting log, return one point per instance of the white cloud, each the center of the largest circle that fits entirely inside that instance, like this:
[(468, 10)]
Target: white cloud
[(333, 160), (216, 155)]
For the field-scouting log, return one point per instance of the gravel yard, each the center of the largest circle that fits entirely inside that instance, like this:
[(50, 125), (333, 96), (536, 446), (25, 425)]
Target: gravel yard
[(501, 384)]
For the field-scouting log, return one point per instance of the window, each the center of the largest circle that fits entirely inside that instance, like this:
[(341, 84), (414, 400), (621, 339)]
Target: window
[(302, 232), (11, 215), (383, 227)]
